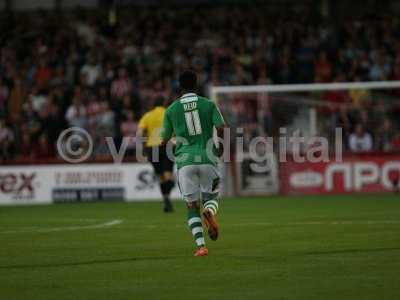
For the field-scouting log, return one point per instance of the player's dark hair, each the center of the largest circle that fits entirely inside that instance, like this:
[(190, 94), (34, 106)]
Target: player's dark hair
[(188, 81)]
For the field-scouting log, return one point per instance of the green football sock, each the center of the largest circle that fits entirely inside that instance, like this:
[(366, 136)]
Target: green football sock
[(212, 205), (195, 225)]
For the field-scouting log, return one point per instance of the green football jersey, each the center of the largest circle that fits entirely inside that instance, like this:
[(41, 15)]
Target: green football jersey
[(191, 119)]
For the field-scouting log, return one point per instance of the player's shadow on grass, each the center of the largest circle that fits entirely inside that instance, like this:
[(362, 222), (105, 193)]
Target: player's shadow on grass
[(344, 251), (86, 263)]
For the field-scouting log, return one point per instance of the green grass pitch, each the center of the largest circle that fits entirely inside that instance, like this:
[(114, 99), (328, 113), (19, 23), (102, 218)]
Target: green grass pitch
[(328, 247)]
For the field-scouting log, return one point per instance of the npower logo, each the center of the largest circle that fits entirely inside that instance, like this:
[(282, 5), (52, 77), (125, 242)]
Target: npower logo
[(18, 184), (359, 175)]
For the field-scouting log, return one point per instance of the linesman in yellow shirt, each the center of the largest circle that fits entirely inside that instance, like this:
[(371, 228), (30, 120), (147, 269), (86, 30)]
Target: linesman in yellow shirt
[(150, 126)]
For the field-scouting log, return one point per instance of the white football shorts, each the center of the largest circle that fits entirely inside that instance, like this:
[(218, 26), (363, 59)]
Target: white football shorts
[(199, 182)]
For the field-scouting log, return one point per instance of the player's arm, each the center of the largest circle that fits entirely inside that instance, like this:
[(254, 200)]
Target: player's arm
[(219, 124), (167, 130), (141, 132)]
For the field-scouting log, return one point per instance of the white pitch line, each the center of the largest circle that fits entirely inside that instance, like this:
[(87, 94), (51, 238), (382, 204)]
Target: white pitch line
[(70, 228)]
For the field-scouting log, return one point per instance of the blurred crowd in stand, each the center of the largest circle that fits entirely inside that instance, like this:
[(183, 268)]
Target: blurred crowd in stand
[(101, 73)]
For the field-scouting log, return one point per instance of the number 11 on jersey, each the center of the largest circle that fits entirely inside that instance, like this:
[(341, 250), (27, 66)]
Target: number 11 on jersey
[(193, 122)]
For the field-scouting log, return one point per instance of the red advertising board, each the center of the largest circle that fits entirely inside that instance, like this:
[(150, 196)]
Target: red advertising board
[(361, 173)]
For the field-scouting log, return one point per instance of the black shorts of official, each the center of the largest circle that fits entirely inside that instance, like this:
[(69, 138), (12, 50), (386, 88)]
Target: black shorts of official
[(162, 163)]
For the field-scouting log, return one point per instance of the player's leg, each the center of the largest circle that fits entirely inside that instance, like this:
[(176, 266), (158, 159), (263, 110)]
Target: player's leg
[(154, 155), (167, 182), (188, 183), (209, 184), (166, 185), (196, 227)]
